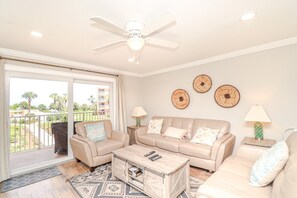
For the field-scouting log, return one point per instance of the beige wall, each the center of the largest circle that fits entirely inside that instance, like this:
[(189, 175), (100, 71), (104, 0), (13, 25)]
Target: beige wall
[(267, 78), (133, 96)]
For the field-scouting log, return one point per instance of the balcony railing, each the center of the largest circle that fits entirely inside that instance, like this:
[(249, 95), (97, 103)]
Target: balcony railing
[(34, 132)]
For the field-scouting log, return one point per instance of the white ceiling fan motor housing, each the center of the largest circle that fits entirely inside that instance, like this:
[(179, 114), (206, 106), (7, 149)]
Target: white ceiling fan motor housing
[(134, 28), (135, 42)]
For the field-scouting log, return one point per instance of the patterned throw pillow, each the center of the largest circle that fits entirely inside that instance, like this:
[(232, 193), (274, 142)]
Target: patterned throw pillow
[(155, 126), (267, 167), (175, 133), (95, 132), (205, 136)]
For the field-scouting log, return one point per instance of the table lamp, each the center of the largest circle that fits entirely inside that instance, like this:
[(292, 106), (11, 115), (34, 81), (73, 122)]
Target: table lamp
[(137, 113), (258, 115)]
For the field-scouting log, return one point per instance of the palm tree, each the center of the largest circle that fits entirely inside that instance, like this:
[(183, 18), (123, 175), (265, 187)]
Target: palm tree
[(54, 96), (64, 100), (29, 96), (93, 102)]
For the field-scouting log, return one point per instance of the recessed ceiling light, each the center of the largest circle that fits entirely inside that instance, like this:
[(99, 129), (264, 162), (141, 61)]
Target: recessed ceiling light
[(36, 34), (248, 16)]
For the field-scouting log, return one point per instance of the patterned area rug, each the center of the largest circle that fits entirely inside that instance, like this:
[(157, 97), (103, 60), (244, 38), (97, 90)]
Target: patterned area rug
[(100, 184), (29, 178)]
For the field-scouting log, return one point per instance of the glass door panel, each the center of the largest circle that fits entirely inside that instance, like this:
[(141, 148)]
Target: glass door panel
[(35, 105)]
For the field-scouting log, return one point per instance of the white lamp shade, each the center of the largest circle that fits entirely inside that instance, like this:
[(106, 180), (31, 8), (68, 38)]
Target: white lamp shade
[(257, 114), (138, 112), (135, 43)]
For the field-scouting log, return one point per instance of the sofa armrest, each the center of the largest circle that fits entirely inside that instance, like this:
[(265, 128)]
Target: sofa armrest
[(83, 149), (222, 149), (249, 152), (92, 146), (120, 136), (140, 131)]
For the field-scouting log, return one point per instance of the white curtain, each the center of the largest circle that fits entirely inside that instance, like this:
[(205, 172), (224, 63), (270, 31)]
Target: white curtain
[(4, 137), (121, 111)]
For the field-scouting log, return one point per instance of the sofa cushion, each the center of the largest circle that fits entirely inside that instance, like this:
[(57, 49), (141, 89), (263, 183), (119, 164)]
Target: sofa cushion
[(195, 150), (284, 185), (155, 126), (222, 125), (205, 136), (237, 165), (80, 128), (168, 143), (269, 165), (148, 139), (183, 123), (175, 133), (166, 122), (95, 132), (107, 146), (225, 184)]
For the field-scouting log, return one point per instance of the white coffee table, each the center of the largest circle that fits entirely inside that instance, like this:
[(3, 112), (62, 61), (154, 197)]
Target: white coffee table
[(167, 177)]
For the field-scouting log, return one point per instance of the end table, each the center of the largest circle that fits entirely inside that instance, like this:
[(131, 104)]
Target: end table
[(131, 132), (254, 142)]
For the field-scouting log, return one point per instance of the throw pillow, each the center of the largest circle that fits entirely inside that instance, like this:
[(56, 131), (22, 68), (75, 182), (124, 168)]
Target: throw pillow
[(267, 167), (175, 133), (155, 126), (95, 132), (205, 136)]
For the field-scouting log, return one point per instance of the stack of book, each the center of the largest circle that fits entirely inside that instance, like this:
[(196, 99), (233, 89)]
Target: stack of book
[(134, 171)]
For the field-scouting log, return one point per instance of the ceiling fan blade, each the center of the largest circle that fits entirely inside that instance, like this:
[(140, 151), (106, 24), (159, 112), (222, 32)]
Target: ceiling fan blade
[(109, 44), (109, 26), (161, 43), (167, 20)]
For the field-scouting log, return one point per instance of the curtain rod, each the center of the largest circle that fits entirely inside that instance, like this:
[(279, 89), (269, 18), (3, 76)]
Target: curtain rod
[(58, 66)]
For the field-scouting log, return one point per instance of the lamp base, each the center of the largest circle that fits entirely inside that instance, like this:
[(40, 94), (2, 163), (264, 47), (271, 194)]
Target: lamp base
[(258, 127), (138, 122)]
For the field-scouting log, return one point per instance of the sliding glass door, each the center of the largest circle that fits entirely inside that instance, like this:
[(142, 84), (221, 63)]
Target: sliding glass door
[(43, 110), (35, 106)]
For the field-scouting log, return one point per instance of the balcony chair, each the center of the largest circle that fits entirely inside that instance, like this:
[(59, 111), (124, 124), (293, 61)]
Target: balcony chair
[(93, 153), (60, 132)]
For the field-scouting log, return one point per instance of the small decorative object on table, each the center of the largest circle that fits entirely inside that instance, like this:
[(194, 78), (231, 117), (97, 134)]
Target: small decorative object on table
[(138, 112), (257, 114)]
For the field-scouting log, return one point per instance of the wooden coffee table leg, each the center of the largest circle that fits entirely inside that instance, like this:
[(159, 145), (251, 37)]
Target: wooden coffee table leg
[(188, 177)]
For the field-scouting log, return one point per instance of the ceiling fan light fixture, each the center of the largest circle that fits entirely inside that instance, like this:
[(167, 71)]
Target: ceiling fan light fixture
[(135, 43)]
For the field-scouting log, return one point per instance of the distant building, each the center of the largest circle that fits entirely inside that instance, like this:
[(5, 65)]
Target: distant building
[(103, 100)]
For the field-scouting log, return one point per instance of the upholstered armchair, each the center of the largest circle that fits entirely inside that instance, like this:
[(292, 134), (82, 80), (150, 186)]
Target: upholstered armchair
[(93, 153)]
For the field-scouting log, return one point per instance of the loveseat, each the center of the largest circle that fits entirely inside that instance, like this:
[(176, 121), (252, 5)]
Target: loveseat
[(92, 153), (232, 178), (200, 155)]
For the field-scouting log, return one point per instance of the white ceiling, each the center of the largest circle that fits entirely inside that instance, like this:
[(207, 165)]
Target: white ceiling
[(203, 29)]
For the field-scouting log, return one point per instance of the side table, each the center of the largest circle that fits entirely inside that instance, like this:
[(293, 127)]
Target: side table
[(254, 142), (131, 132)]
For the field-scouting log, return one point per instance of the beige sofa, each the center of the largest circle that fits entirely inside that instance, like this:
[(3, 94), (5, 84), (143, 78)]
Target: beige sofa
[(94, 154), (203, 156), (231, 180)]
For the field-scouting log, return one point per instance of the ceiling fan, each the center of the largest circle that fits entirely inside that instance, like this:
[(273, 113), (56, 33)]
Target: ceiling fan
[(136, 34)]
